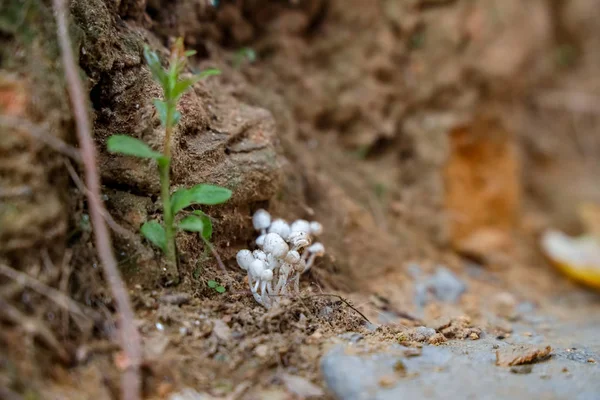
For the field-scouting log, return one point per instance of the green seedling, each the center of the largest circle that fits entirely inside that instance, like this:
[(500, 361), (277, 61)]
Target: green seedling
[(216, 287), (163, 235), (244, 54)]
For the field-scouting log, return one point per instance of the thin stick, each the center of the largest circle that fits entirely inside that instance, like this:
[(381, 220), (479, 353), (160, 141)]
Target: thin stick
[(342, 300), (59, 298), (130, 338), (109, 219), (214, 253)]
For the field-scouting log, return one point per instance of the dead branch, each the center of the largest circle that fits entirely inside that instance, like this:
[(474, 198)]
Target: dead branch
[(57, 297), (33, 326), (130, 338), (109, 219)]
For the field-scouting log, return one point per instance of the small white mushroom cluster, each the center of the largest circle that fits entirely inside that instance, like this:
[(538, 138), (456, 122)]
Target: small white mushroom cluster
[(284, 253)]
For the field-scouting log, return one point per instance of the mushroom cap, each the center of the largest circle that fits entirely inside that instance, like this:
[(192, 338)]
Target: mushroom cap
[(275, 245), (272, 261), (256, 268), (292, 257), (261, 219), (280, 227), (260, 241), (266, 275), (316, 228), (299, 239), (300, 225), (244, 259), (259, 255), (316, 249)]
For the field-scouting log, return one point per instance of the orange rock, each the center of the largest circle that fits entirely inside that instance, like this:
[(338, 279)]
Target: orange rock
[(482, 186)]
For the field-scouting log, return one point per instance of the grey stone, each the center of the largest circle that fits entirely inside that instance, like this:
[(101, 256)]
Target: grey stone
[(456, 370), (446, 286)]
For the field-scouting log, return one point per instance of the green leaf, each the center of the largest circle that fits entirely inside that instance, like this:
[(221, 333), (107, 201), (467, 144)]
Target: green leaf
[(220, 289), (155, 66), (207, 231), (161, 107), (176, 118), (155, 233), (209, 194), (180, 200), (184, 84), (208, 72), (189, 53), (191, 223), (130, 146), (212, 284)]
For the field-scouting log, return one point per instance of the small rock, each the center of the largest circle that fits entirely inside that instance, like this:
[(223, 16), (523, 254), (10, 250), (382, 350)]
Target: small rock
[(300, 386), (446, 286), (221, 330), (418, 334), (521, 355), (261, 350), (505, 305), (438, 338)]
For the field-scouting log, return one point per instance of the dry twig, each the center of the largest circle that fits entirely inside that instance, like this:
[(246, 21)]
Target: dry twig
[(130, 338)]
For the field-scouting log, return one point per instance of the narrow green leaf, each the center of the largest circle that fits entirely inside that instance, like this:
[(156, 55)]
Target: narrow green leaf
[(207, 231), (155, 66), (208, 72), (130, 146), (220, 289), (180, 200), (209, 194), (189, 53), (191, 224), (183, 85), (176, 118), (161, 108), (212, 284), (155, 233)]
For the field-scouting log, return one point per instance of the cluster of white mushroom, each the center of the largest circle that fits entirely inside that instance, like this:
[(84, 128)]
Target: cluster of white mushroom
[(284, 253)]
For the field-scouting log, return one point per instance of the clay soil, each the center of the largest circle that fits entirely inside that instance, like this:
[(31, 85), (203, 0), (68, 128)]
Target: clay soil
[(418, 132)]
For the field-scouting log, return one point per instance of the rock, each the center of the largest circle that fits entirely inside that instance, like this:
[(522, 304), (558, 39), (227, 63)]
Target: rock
[(418, 334), (446, 286), (521, 355), (221, 330), (300, 386), (504, 305), (457, 370)]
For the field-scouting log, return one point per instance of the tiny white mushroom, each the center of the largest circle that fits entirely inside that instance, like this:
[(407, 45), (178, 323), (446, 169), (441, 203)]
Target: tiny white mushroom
[(259, 255), (292, 257), (261, 220), (315, 250), (260, 241), (275, 245), (265, 281), (300, 225), (316, 228), (244, 259), (280, 227), (299, 240), (256, 269), (272, 262)]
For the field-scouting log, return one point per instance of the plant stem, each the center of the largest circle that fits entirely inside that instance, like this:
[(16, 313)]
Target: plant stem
[(164, 168)]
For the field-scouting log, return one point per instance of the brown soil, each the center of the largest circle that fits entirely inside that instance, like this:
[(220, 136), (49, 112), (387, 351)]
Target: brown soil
[(429, 132)]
